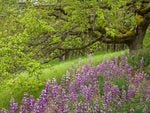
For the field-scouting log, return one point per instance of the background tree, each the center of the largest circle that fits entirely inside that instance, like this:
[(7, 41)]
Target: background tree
[(33, 32)]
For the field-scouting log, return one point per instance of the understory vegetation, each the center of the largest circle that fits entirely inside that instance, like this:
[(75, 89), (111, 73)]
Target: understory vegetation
[(143, 56)]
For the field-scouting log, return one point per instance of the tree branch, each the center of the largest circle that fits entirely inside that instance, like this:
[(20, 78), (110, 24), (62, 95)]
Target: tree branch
[(143, 11), (80, 48)]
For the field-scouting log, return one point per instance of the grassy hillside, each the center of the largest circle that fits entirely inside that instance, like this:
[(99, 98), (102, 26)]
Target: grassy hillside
[(15, 88)]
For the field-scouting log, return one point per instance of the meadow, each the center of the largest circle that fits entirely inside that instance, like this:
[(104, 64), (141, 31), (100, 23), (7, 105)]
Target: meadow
[(110, 86), (26, 83), (74, 56)]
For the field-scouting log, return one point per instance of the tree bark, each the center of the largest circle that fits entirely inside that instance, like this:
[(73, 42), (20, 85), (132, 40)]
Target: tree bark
[(137, 42)]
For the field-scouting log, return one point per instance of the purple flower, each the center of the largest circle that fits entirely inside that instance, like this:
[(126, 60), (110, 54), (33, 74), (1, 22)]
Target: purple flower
[(31, 103), (115, 91), (96, 107), (81, 91), (23, 109), (25, 101), (13, 106), (87, 92), (148, 90), (55, 90), (147, 95), (85, 69), (4, 111), (107, 87), (73, 96), (108, 99), (79, 107), (80, 80), (138, 79), (131, 93)]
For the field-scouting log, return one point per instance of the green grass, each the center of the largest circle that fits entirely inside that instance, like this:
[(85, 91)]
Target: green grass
[(26, 83), (56, 71)]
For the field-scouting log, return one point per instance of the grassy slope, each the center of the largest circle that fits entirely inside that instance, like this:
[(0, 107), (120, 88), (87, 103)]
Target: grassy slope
[(24, 83)]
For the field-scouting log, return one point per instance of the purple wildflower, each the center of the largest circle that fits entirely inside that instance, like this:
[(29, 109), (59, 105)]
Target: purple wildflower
[(107, 87), (138, 79), (68, 96), (132, 110), (147, 96), (87, 92), (13, 106), (31, 103), (4, 111), (131, 93), (108, 99), (115, 91)]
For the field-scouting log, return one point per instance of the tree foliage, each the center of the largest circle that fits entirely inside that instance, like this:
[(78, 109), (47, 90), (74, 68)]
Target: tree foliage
[(48, 29)]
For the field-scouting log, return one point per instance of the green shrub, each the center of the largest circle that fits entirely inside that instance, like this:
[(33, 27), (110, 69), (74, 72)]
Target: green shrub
[(141, 59), (16, 88)]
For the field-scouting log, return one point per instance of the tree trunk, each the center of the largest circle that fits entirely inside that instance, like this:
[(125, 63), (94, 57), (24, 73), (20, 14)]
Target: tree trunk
[(137, 42)]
